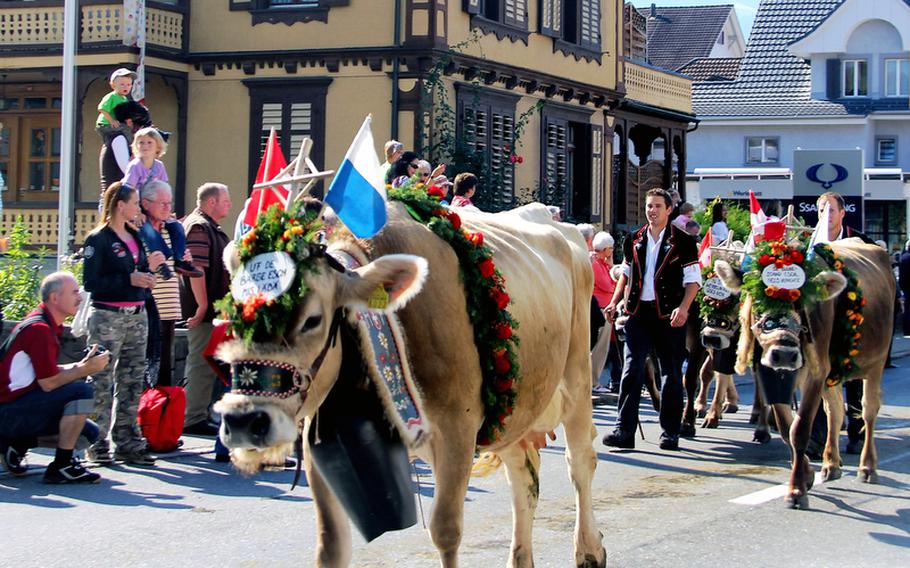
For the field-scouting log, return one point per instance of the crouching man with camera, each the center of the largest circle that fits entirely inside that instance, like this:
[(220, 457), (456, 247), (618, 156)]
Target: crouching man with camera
[(38, 397)]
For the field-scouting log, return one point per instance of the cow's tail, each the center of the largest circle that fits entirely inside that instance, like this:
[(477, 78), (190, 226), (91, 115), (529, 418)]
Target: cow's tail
[(746, 347)]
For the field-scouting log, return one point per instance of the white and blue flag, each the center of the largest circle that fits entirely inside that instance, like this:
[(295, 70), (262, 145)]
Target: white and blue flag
[(357, 193)]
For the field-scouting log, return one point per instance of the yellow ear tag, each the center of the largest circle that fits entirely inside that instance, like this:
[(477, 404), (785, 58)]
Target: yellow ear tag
[(379, 299)]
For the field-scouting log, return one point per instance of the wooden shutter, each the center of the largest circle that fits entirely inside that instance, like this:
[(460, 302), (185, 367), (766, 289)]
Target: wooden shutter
[(832, 78), (597, 172), (556, 161), (551, 18), (589, 25), (472, 6), (515, 13), (502, 124)]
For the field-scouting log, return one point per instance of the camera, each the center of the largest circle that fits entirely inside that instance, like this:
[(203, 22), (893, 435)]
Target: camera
[(101, 349)]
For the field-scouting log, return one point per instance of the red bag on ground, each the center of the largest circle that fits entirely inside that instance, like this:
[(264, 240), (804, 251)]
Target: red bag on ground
[(161, 414)]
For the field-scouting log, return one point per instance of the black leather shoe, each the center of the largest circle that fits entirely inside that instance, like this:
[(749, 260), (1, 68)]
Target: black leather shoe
[(187, 269), (668, 442), (204, 428), (620, 439)]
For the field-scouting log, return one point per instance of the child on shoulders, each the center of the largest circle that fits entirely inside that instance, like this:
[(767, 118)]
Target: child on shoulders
[(107, 126), (148, 146)]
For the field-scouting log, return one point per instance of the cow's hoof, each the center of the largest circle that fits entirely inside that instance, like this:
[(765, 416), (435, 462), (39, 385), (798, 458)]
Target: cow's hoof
[(761, 436), (687, 431), (799, 501), (730, 408), (592, 562), (831, 472), (867, 475), (711, 421), (702, 412)]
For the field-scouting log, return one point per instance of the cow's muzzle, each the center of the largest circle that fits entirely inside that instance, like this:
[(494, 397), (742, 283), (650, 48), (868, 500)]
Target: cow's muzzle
[(248, 430), (712, 341), (783, 358)]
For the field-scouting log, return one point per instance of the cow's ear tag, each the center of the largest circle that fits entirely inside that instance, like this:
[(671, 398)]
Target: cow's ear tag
[(379, 298)]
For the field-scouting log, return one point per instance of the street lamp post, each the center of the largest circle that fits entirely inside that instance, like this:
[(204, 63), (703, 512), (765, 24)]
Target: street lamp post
[(67, 130)]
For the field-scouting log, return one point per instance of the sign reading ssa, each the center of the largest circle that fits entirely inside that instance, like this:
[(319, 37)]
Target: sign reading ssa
[(270, 274)]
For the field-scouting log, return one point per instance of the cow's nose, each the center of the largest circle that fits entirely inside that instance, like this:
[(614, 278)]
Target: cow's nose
[(710, 341), (254, 424), (784, 357)]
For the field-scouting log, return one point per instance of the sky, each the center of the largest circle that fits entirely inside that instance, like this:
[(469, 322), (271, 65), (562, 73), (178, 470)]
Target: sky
[(745, 9)]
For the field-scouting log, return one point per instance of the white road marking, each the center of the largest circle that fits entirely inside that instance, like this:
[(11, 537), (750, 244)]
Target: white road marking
[(779, 491), (768, 494)]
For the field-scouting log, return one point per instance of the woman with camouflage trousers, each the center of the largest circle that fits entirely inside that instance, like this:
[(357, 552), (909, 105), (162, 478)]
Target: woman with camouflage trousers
[(120, 277)]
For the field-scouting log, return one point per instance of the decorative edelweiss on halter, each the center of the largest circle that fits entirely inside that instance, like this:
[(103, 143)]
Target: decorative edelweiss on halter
[(247, 377)]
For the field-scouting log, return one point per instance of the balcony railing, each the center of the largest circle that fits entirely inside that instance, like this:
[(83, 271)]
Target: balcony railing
[(25, 27), (43, 224), (658, 88)]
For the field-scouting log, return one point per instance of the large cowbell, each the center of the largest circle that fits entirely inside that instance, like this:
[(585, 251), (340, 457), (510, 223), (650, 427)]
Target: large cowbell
[(359, 454)]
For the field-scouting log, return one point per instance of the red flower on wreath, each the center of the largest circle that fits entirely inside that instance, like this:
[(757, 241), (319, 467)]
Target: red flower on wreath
[(502, 385), (500, 298), (502, 365), (487, 268), (797, 257), (476, 239), (454, 219), (436, 191), (503, 330), (765, 260)]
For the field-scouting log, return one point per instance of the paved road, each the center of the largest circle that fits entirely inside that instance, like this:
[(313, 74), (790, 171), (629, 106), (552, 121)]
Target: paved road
[(655, 509)]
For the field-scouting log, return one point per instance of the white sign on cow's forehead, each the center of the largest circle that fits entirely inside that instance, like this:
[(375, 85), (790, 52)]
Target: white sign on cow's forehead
[(270, 274), (714, 288), (791, 277)]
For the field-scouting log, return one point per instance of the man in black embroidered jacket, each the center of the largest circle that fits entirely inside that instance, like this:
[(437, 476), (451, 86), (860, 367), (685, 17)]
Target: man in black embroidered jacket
[(662, 275)]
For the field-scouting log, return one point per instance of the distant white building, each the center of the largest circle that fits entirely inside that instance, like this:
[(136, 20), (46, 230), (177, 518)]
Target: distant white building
[(817, 74)]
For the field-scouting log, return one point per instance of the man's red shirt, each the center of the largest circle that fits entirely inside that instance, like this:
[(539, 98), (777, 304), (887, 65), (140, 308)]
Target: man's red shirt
[(31, 357)]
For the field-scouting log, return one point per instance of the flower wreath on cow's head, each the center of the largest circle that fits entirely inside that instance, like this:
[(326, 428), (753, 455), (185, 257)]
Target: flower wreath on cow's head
[(773, 260), (258, 317)]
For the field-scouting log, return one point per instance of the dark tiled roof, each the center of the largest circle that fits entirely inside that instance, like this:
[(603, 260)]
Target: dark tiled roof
[(680, 34), (712, 69), (772, 82)]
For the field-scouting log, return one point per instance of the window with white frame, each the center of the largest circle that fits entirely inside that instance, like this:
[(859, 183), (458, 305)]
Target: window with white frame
[(897, 77), (762, 150), (885, 150), (855, 78)]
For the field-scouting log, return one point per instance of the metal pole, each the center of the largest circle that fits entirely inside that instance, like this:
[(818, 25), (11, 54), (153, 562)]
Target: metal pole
[(67, 131)]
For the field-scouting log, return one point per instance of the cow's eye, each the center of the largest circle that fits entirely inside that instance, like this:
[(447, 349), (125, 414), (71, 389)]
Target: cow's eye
[(723, 324), (311, 322)]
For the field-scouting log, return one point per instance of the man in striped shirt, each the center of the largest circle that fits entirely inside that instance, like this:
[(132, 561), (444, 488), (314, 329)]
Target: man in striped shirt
[(157, 201)]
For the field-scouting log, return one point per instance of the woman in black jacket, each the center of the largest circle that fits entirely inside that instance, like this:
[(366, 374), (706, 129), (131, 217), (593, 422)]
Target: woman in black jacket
[(120, 277)]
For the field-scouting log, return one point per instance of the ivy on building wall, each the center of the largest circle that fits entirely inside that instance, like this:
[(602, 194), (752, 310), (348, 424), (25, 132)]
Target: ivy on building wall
[(442, 143)]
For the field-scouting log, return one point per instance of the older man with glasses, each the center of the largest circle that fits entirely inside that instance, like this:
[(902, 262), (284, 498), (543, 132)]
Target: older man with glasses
[(157, 202)]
